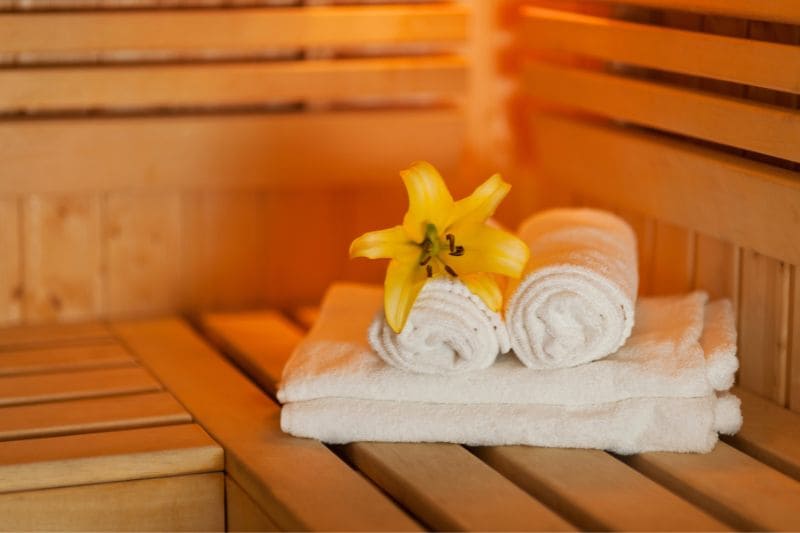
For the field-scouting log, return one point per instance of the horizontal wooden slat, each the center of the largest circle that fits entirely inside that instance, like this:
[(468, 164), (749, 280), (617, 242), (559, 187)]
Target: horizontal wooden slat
[(18, 390), (724, 196), (764, 64), (770, 433), (242, 513), (298, 482), (761, 128), (231, 151), (110, 456), (226, 84), (179, 503), (441, 483), (774, 10), (60, 358), (48, 335), (96, 414), (232, 29), (741, 490)]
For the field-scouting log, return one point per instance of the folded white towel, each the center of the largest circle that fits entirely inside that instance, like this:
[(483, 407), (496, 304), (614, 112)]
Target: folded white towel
[(656, 393), (575, 300), (449, 330)]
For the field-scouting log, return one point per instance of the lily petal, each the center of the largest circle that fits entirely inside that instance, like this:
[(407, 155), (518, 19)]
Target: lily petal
[(481, 204), (386, 243), (429, 201), (488, 249), (485, 286), (404, 280)]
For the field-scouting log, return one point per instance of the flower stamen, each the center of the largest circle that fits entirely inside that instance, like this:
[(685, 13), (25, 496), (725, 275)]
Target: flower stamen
[(450, 271), (425, 260), (458, 252), (429, 270)]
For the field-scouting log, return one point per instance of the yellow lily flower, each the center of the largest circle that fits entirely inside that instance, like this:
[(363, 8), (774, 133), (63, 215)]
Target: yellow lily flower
[(441, 237)]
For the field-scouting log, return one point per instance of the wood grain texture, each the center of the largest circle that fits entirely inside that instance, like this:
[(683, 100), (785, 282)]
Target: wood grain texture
[(90, 415), (776, 11), (63, 256), (58, 358), (753, 203), (770, 433), (230, 29), (673, 259), (765, 64), (180, 503), (212, 152), (588, 485), (11, 289), (716, 268), (763, 326), (765, 129), (143, 243), (104, 457), (298, 482), (242, 513), (723, 482), (794, 342), (25, 389), (196, 85), (29, 337)]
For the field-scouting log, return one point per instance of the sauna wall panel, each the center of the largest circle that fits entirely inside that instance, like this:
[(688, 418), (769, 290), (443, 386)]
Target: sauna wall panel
[(11, 262)]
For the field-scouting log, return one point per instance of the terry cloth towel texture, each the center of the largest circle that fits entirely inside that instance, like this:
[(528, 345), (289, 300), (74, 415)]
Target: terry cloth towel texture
[(665, 390), (449, 330), (575, 300)]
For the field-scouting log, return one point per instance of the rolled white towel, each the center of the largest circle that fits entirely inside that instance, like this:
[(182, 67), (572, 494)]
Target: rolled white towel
[(449, 330), (575, 300)]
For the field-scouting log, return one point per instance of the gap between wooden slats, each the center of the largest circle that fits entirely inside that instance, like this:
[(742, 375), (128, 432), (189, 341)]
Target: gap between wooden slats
[(775, 11)]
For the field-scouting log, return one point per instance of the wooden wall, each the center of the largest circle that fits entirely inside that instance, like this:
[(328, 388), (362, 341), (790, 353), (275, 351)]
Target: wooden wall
[(162, 155), (683, 117)]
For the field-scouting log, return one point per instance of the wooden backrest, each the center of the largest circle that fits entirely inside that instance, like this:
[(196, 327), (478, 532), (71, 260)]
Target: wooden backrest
[(683, 117), (207, 153)]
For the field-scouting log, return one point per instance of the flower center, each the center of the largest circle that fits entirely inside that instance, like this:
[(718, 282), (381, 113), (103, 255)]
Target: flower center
[(432, 247)]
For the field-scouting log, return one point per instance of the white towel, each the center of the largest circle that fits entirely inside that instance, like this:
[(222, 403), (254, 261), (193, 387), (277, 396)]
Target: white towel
[(449, 330), (575, 300), (657, 393)]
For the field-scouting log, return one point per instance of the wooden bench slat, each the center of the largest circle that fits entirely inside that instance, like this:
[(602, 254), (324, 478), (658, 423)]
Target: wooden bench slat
[(19, 337), (110, 456), (770, 433), (298, 482), (176, 503), (227, 84), (96, 414), (775, 10), (224, 151), (243, 29), (760, 63), (732, 485), (761, 128), (18, 390), (443, 484), (754, 203), (60, 358), (242, 513)]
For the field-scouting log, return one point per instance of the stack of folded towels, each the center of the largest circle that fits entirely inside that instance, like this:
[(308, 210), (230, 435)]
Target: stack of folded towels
[(575, 361)]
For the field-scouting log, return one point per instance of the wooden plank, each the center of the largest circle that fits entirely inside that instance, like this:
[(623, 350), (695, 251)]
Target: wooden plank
[(794, 342), (62, 255), (723, 196), (763, 326), (61, 358), (24, 337), (19, 390), (242, 513), (110, 456), (211, 84), (770, 433), (142, 235), (441, 483), (225, 151), (230, 29), (764, 64), (11, 288), (673, 259), (66, 5), (180, 503), (298, 482), (729, 484), (776, 10), (90, 415), (588, 486), (716, 268), (306, 316), (739, 123)]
